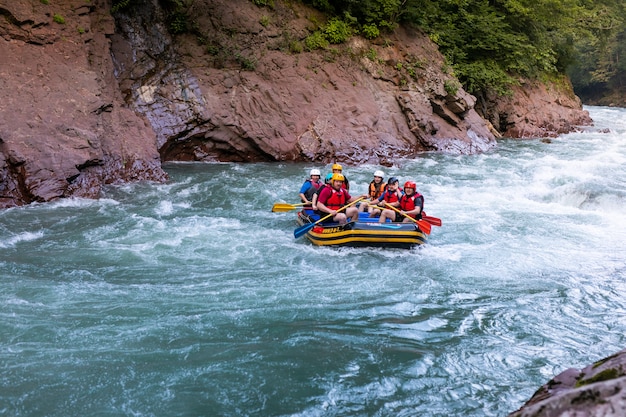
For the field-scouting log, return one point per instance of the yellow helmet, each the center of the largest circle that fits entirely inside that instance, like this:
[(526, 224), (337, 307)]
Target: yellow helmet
[(337, 166), (338, 177)]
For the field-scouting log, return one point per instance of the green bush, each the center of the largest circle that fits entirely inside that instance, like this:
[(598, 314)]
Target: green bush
[(58, 19), (247, 64), (337, 31), (451, 87), (316, 40), (370, 31)]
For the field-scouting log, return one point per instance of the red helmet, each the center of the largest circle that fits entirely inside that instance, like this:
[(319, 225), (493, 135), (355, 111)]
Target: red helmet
[(410, 184)]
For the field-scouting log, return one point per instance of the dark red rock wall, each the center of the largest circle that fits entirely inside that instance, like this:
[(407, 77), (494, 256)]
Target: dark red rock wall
[(64, 129), (101, 99)]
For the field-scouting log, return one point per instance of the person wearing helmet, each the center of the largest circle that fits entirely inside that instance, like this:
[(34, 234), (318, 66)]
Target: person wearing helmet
[(377, 187), (411, 204), (310, 186), (391, 195), (338, 169), (317, 193), (333, 198)]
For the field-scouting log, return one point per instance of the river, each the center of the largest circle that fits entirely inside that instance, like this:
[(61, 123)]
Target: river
[(192, 298)]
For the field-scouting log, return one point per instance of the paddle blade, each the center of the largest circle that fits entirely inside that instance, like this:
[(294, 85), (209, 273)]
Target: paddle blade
[(435, 221), (424, 226), (302, 230), (282, 207)]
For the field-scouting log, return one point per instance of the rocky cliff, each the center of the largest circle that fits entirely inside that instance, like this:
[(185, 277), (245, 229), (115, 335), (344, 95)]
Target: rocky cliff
[(89, 98), (595, 391), (64, 130)]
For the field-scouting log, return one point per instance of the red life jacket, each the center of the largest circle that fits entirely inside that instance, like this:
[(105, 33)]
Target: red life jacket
[(336, 200), (317, 184), (389, 196), (409, 203)]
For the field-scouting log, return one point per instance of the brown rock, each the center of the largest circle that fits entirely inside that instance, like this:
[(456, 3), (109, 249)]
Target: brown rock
[(95, 101), (63, 130), (599, 390), (538, 110), (356, 102)]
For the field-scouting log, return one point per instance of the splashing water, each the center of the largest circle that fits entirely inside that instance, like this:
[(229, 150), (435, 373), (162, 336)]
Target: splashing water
[(193, 298)]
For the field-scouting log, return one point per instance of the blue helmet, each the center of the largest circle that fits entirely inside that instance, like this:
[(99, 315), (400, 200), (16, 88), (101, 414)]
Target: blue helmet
[(328, 178), (392, 180)]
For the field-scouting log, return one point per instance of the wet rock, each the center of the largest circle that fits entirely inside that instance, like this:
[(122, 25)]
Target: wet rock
[(599, 390)]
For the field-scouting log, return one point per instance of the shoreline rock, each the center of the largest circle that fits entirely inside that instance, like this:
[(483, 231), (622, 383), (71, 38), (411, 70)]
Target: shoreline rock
[(597, 390)]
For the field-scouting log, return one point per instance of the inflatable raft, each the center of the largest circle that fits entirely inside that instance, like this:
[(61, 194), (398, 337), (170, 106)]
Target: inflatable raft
[(365, 232)]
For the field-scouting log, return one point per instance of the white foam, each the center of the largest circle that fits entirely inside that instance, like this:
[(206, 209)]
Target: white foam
[(11, 241)]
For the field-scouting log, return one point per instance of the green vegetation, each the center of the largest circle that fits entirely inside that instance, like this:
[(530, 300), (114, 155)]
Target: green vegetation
[(177, 15), (490, 43), (247, 64), (337, 31), (58, 19), (119, 5), (44, 1), (605, 375), (316, 40)]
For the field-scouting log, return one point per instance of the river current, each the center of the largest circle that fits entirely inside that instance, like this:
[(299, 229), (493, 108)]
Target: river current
[(192, 298)]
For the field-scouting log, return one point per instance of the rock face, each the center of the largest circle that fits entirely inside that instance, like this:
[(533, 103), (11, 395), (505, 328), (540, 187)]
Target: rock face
[(537, 110), (599, 390), (89, 99), (355, 102), (63, 131)]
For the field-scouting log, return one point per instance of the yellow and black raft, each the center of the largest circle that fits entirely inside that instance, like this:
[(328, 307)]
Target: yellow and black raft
[(364, 232)]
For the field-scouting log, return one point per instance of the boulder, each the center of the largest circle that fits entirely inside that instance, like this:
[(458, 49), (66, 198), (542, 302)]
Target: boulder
[(599, 390)]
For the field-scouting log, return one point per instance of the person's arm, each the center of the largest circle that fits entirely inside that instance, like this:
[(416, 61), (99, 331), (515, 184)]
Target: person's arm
[(377, 201), (305, 187), (314, 201), (419, 206), (356, 197)]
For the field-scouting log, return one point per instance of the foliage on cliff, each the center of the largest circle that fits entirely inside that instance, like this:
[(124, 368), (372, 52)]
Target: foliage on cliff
[(489, 43)]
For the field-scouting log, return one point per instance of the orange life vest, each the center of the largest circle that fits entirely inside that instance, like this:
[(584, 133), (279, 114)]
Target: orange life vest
[(377, 192)]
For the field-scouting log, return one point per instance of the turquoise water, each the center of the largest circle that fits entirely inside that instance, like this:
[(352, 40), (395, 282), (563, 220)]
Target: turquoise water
[(193, 299)]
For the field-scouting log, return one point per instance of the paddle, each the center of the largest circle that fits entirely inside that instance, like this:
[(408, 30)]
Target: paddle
[(282, 207), (435, 221), (424, 226), (303, 229)]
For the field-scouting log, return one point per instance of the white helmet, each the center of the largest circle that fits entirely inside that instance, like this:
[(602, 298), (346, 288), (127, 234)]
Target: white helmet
[(315, 172), (379, 173)]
